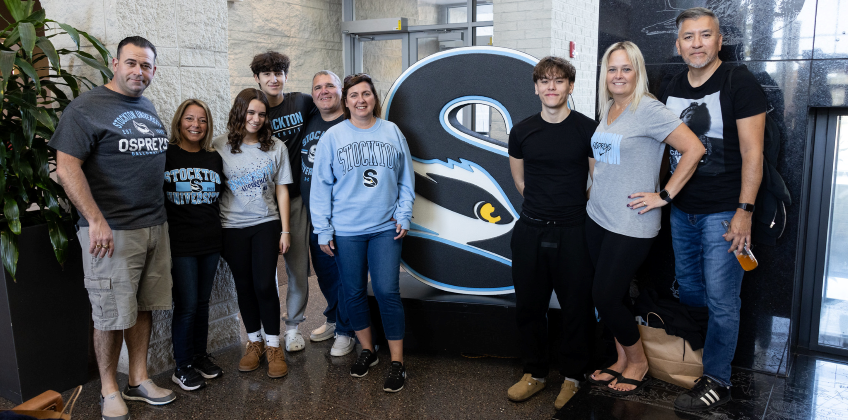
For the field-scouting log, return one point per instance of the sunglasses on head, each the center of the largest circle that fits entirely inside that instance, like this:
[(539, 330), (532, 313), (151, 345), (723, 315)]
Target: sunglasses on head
[(363, 75)]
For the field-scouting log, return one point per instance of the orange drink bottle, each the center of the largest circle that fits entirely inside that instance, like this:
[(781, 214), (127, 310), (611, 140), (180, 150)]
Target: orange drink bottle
[(746, 257)]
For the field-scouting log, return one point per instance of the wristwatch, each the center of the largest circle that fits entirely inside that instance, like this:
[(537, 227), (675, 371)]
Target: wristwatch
[(664, 195), (747, 207)]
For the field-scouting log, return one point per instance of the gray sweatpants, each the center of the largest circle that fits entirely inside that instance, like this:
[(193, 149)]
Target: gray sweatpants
[(297, 264)]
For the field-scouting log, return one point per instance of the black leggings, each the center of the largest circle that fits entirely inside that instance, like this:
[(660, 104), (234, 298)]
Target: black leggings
[(616, 259), (252, 254)]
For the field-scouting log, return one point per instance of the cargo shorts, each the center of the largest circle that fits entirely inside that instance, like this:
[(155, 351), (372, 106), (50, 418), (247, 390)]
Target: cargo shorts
[(136, 278)]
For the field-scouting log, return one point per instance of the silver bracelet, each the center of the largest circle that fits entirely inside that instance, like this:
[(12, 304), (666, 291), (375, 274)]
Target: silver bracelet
[(281, 233)]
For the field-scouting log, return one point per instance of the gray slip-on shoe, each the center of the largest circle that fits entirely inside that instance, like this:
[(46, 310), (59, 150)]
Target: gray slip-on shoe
[(112, 405), (148, 392)]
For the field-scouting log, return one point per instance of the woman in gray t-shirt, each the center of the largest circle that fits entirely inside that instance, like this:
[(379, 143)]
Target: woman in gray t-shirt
[(628, 146), (255, 218)]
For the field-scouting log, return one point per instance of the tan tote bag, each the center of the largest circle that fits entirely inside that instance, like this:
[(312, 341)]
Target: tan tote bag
[(670, 358)]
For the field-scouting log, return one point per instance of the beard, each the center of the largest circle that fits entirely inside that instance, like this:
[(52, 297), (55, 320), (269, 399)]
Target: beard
[(700, 64)]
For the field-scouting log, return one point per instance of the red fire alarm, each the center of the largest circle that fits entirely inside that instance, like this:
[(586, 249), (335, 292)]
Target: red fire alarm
[(572, 49)]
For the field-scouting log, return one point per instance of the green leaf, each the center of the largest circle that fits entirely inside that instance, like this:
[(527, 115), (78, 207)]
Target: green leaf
[(58, 236), (71, 80), (9, 248), (13, 215), (36, 17), (13, 38), (28, 6), (7, 63), (72, 32), (104, 53), (24, 172), (49, 51), (94, 63), (39, 156), (52, 203), (29, 71), (16, 8), (28, 37), (28, 121), (44, 117)]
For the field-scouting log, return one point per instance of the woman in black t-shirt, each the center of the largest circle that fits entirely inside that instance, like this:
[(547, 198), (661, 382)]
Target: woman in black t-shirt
[(193, 172)]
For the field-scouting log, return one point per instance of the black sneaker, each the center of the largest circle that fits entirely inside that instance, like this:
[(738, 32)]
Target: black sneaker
[(397, 375), (366, 360), (206, 367), (707, 394), (187, 378)]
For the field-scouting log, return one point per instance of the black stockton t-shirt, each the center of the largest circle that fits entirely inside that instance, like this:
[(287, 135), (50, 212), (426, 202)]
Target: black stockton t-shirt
[(711, 111), (315, 128), (556, 164), (193, 184), (287, 121)]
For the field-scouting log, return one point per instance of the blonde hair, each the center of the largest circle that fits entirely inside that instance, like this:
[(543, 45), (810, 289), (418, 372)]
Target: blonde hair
[(638, 63), (176, 139)]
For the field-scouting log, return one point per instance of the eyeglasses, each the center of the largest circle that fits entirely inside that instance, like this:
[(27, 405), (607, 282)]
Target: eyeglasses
[(362, 75)]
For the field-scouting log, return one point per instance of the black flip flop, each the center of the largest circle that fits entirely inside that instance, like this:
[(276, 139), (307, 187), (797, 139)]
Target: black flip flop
[(615, 375), (622, 380)]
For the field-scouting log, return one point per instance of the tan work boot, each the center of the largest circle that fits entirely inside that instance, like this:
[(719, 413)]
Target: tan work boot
[(277, 367), (525, 388), (568, 390), (252, 356)]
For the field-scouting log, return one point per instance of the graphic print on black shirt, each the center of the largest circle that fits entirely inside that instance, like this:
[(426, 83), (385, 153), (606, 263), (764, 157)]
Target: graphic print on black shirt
[(192, 188), (556, 165), (308, 145), (711, 111), (288, 120), (703, 117)]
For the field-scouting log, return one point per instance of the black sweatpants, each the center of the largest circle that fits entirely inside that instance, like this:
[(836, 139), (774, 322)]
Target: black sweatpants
[(616, 258), (252, 254), (545, 258)]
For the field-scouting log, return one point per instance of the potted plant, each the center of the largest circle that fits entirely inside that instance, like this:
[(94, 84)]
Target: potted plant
[(44, 310)]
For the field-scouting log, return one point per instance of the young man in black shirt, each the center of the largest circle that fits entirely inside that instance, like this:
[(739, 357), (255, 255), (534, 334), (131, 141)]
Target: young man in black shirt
[(725, 108), (288, 114), (550, 156)]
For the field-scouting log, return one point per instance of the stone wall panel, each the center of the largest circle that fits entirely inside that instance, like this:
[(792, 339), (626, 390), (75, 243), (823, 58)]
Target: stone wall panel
[(202, 25)]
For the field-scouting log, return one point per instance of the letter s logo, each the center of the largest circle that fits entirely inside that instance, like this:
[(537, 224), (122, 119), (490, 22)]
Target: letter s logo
[(369, 178), (465, 201)]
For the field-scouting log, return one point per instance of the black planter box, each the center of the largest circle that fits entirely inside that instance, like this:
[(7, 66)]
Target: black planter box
[(44, 320)]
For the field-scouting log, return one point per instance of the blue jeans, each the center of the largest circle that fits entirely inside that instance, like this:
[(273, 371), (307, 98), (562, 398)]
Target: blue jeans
[(378, 253), (328, 280), (711, 277), (193, 279)]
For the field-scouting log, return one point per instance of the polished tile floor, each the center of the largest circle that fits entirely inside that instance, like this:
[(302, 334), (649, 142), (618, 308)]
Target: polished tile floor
[(450, 386)]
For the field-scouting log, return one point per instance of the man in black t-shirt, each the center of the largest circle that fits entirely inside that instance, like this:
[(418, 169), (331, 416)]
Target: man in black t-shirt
[(550, 156), (728, 114), (327, 91), (288, 114)]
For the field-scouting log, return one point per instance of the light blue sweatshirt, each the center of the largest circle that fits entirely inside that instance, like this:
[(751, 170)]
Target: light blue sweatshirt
[(361, 179)]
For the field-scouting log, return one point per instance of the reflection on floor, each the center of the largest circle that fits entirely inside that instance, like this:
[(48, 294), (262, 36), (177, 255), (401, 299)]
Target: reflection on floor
[(815, 389)]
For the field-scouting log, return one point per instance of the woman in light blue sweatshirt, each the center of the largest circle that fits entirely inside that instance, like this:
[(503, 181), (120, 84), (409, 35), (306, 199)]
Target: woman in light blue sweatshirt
[(363, 187)]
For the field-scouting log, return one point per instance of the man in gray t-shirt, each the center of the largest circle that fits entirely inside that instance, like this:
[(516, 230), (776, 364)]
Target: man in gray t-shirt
[(110, 156)]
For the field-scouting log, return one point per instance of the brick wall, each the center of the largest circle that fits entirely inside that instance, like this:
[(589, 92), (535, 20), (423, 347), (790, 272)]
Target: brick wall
[(308, 31), (545, 27)]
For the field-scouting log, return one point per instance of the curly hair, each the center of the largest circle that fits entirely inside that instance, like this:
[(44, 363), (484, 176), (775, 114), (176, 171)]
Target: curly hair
[(238, 117), (270, 61)]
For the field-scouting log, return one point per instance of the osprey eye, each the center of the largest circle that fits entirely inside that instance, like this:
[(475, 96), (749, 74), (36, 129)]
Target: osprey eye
[(485, 212)]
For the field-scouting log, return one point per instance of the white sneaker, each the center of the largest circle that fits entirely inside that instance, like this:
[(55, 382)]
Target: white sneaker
[(294, 340), (324, 332), (343, 345)]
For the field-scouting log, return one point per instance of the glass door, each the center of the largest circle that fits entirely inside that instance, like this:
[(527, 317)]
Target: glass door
[(827, 233), (833, 317)]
